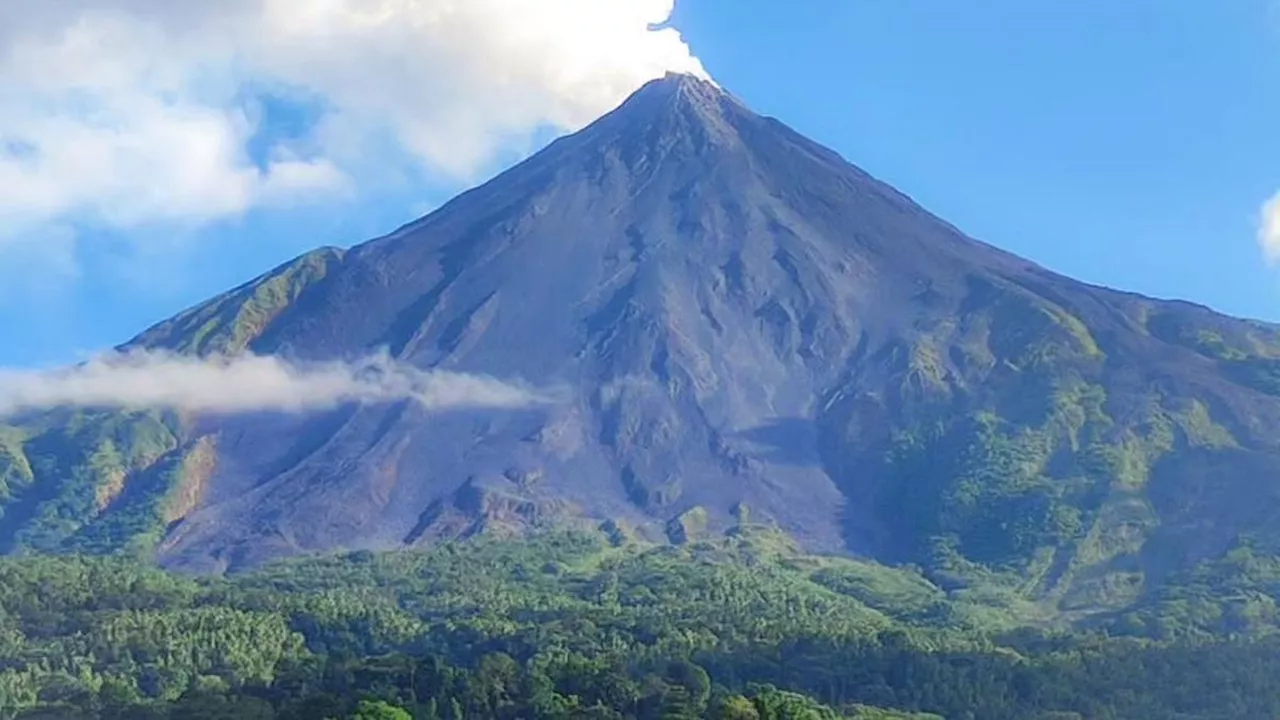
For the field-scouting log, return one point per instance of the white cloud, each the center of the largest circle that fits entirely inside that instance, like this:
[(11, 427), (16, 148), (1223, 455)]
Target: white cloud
[(249, 383), (125, 113), (1269, 231)]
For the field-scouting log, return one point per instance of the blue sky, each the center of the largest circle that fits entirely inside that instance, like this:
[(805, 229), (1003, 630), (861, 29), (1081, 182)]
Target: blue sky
[(1124, 143), (1130, 144)]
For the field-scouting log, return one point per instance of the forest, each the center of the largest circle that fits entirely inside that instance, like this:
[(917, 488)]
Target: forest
[(582, 625)]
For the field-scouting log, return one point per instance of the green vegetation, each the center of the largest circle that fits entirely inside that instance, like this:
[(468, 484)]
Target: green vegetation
[(228, 325), (571, 625), (84, 481), (16, 474), (1029, 484), (1262, 374), (1234, 595), (984, 489)]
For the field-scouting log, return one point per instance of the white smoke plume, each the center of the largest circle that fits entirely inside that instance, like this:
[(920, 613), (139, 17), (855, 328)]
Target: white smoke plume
[(250, 383), (121, 113)]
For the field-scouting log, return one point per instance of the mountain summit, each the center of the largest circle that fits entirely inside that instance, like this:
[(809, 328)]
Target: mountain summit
[(754, 332)]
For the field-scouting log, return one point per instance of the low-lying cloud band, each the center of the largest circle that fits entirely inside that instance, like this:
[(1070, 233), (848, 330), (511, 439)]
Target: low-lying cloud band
[(250, 383)]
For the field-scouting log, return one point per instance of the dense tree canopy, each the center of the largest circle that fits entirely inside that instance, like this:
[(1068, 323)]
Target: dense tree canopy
[(573, 626)]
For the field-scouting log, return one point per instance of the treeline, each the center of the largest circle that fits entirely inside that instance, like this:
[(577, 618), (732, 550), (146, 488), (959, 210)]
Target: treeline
[(572, 626), (1206, 682), (399, 687)]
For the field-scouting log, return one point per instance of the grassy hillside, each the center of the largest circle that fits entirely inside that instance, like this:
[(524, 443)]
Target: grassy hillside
[(110, 481), (1016, 448), (230, 323)]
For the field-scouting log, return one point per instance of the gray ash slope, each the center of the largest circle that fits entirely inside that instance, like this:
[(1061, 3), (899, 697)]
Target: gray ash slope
[(744, 319)]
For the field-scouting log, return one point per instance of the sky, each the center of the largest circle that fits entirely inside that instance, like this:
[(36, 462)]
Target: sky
[(153, 154)]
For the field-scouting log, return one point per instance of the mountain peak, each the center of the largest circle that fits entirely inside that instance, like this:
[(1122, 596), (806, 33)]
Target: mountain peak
[(683, 83), (739, 317), (681, 104)]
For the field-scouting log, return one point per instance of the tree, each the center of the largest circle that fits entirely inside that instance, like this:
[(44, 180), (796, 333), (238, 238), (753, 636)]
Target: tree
[(380, 710), (693, 679), (736, 707), (678, 705), (210, 706)]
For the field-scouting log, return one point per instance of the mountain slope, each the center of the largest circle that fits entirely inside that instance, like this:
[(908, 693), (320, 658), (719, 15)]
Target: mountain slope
[(751, 326)]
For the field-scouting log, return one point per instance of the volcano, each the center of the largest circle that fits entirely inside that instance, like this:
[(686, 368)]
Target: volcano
[(751, 331)]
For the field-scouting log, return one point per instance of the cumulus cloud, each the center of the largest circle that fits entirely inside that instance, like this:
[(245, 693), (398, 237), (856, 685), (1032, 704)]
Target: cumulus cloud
[(125, 113), (1269, 231), (250, 383)]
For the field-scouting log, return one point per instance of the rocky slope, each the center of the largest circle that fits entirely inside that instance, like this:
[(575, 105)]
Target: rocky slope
[(751, 327)]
